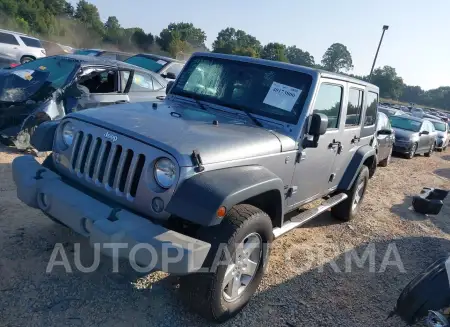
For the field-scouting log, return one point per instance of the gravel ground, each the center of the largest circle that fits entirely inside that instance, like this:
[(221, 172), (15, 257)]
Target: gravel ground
[(310, 280)]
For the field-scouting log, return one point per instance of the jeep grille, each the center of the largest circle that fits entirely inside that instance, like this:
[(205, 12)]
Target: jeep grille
[(107, 164)]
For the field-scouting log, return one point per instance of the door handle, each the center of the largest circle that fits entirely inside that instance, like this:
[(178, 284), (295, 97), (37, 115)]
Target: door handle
[(161, 97), (335, 144), (121, 101), (355, 139)]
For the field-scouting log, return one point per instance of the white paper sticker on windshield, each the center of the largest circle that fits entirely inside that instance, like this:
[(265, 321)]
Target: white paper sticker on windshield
[(161, 62), (24, 73), (282, 96)]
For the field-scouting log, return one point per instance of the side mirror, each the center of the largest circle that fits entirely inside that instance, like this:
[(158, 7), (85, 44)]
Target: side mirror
[(384, 132), (424, 133), (317, 126), (169, 75), (169, 86)]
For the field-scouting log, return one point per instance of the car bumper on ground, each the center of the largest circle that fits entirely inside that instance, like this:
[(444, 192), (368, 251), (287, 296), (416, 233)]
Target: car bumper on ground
[(402, 147), (42, 188)]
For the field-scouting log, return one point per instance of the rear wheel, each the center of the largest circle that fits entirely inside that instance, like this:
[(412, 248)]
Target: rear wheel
[(430, 152), (412, 152), (387, 160), (348, 209), (25, 59), (235, 264)]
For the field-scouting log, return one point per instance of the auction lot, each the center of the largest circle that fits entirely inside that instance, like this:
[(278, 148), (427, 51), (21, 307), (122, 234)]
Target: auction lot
[(302, 286)]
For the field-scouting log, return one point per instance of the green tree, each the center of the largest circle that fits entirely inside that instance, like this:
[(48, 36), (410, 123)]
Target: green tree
[(9, 7), (237, 42), (69, 10), (185, 32), (113, 31), (337, 58), (141, 39), (274, 51), (413, 94), (178, 46), (390, 84), (299, 57), (88, 14)]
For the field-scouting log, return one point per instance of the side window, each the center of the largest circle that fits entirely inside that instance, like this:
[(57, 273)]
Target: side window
[(175, 69), (328, 102), (371, 112), (424, 126), (141, 83), (354, 107), (8, 39), (432, 127)]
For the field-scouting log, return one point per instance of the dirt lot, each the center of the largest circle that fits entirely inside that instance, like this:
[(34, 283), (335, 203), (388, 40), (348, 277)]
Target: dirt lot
[(302, 287)]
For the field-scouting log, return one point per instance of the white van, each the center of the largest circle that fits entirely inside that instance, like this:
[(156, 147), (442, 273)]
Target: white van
[(20, 46)]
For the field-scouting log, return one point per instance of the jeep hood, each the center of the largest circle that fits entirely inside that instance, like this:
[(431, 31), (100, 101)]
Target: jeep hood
[(179, 128)]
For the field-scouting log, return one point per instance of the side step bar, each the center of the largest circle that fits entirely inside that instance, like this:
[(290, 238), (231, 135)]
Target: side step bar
[(308, 215)]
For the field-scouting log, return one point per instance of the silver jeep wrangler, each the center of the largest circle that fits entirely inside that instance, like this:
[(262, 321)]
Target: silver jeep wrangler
[(216, 171)]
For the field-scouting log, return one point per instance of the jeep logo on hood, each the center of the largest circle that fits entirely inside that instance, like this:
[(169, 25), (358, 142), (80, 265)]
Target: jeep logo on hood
[(110, 136)]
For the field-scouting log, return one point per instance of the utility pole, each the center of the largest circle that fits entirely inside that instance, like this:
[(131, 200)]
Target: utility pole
[(385, 28)]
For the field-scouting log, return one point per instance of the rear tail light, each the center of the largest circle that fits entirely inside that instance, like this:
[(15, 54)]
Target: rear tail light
[(13, 65)]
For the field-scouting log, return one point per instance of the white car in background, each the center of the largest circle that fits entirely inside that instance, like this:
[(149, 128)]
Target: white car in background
[(20, 46), (417, 112)]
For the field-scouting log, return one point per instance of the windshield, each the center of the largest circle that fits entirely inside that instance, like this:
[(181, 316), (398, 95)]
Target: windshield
[(264, 90), (439, 126), (152, 64), (92, 53), (24, 81), (405, 123)]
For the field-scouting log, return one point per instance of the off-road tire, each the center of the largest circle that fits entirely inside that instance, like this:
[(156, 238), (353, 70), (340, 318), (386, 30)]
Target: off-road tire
[(412, 152), (385, 162), (344, 211), (430, 152), (202, 291)]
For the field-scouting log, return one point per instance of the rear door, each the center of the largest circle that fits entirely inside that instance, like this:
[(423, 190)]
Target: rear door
[(350, 132), (9, 45)]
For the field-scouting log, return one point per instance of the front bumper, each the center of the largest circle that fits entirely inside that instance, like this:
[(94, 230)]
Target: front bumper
[(402, 147), (41, 188), (441, 143)]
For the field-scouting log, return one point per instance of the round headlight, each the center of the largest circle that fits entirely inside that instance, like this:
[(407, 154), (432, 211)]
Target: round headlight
[(165, 172), (67, 133)]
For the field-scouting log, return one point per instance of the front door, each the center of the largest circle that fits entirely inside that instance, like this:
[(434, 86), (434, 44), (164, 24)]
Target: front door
[(424, 139), (314, 166)]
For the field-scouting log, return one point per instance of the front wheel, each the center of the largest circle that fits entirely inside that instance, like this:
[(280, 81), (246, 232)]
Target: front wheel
[(25, 59), (412, 152), (348, 209), (235, 265)]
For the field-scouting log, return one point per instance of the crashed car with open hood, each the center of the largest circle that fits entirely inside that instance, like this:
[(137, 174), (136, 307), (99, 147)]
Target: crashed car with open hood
[(49, 88)]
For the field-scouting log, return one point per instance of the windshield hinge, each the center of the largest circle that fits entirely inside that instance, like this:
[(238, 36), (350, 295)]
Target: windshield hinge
[(197, 161)]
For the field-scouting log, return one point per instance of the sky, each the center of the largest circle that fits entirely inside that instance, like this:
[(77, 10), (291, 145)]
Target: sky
[(416, 44)]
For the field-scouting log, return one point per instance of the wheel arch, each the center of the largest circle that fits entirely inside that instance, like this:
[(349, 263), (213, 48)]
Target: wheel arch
[(366, 156), (198, 198)]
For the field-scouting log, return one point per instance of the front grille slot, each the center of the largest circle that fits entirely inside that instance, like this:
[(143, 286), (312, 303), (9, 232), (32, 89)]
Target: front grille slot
[(108, 165)]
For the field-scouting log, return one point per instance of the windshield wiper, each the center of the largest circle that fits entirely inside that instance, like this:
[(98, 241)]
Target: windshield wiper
[(253, 119)]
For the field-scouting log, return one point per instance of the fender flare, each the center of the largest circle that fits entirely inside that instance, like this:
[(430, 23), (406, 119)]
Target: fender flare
[(360, 156), (198, 198), (42, 138)]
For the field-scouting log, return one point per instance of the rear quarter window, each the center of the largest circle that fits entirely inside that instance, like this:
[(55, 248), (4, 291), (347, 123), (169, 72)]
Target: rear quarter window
[(371, 112), (30, 42)]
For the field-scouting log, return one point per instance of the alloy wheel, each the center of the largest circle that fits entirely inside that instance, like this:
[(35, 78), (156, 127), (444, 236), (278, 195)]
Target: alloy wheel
[(243, 267)]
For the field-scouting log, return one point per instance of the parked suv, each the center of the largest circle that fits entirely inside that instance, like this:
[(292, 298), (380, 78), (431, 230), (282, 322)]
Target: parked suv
[(20, 46), (214, 173)]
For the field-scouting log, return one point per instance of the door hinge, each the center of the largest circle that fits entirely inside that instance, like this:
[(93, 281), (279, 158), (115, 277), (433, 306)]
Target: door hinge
[(292, 190), (300, 156)]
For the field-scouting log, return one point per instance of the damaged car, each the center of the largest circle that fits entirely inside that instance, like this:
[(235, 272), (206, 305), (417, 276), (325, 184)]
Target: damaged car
[(50, 88)]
